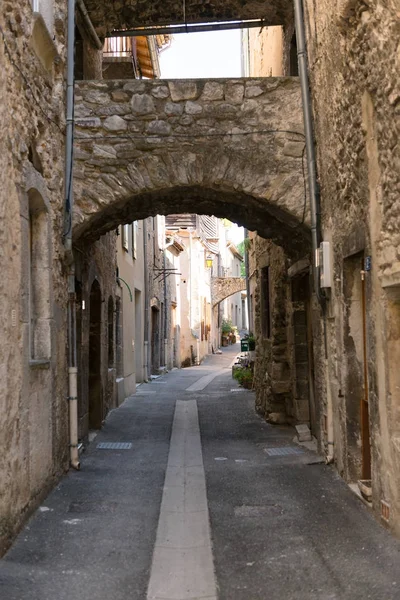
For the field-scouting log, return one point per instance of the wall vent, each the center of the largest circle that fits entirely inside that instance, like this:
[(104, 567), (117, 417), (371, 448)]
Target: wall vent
[(385, 510)]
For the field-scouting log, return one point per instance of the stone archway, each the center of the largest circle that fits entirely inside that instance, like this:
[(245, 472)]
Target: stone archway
[(233, 148), (223, 287)]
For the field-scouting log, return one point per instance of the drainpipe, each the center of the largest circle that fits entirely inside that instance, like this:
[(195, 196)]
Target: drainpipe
[(69, 203), (89, 25), (247, 271), (308, 130), (315, 207), (165, 311), (146, 305)]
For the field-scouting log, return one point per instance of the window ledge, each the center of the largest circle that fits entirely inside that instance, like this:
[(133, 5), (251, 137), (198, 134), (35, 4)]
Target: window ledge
[(40, 363)]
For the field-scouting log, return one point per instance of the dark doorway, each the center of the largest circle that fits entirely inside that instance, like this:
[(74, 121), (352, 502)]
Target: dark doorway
[(293, 58), (355, 345), (95, 388), (138, 337), (155, 340), (303, 351)]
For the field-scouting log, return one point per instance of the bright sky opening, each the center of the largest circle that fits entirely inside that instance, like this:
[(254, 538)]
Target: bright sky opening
[(205, 55)]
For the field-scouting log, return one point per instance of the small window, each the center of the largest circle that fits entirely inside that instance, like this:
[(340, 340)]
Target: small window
[(134, 238), (125, 237), (265, 303)]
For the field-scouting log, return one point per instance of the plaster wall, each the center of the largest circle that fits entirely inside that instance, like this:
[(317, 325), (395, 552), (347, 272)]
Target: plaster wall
[(130, 262)]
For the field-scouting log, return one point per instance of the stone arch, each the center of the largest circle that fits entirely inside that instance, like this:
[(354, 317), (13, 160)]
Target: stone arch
[(223, 287), (208, 147)]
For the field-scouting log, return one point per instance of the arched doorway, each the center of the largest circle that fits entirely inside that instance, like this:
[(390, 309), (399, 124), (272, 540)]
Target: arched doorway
[(95, 387)]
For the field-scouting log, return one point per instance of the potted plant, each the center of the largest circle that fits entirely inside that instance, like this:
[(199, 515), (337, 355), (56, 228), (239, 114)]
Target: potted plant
[(244, 376), (252, 342), (226, 330)]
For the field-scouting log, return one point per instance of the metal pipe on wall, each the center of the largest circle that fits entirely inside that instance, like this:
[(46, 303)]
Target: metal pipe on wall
[(308, 131), (88, 23), (146, 304), (187, 28), (315, 207), (69, 204), (247, 272)]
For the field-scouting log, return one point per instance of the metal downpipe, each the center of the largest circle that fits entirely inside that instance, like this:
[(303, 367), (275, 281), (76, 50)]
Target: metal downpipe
[(308, 131), (69, 204), (315, 207), (88, 23), (146, 348), (247, 271)]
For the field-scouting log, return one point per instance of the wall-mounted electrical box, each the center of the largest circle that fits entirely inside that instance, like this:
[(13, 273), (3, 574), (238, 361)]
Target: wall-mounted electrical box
[(323, 262)]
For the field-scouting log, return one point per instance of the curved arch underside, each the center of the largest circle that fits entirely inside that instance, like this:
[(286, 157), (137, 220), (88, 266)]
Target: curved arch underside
[(256, 215), (107, 15)]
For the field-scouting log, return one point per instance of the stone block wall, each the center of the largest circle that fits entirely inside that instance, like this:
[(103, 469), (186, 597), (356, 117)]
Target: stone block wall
[(34, 424), (354, 65), (156, 147)]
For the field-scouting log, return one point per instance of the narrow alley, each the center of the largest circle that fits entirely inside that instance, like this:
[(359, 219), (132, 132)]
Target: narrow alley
[(186, 493)]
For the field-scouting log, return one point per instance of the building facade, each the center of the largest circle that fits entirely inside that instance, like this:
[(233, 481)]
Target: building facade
[(340, 355), (33, 287)]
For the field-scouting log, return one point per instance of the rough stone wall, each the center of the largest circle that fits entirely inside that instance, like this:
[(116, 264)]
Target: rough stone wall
[(95, 262), (354, 65), (34, 424), (272, 373), (146, 148), (222, 287)]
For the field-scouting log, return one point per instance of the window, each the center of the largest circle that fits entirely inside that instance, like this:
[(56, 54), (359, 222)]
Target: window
[(39, 279), (125, 237), (265, 303), (134, 238)]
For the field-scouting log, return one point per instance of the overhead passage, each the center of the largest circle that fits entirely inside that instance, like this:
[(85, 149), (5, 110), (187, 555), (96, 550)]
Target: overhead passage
[(111, 15)]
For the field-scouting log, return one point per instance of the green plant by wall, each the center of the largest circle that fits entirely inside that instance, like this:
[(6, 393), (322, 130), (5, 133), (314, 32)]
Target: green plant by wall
[(244, 377), (226, 326)]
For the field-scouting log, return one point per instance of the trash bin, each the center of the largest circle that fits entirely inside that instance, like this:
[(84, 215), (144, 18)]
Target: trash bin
[(244, 345)]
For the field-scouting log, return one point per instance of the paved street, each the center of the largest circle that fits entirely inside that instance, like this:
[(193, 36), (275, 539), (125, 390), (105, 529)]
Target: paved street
[(203, 504)]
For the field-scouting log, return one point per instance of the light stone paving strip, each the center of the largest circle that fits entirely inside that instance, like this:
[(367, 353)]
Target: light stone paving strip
[(204, 381), (182, 567)]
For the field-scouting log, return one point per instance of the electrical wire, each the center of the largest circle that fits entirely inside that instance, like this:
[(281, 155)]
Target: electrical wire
[(26, 81)]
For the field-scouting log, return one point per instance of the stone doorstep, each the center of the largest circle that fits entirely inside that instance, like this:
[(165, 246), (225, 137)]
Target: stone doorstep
[(303, 433), (356, 490)]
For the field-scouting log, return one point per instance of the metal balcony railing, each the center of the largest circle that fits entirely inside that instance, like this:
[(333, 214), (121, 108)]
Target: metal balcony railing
[(119, 47)]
